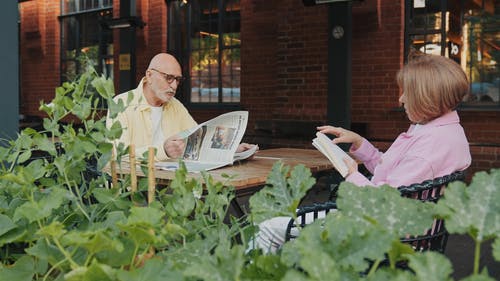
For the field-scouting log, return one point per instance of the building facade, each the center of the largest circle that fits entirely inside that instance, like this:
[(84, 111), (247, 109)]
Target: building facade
[(271, 58)]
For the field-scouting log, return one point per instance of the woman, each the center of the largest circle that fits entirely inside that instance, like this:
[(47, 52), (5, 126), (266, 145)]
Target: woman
[(435, 144)]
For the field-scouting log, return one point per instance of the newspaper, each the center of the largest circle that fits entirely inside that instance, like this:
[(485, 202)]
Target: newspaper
[(212, 144)]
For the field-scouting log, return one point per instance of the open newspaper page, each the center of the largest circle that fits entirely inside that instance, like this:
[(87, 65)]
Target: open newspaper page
[(211, 144)]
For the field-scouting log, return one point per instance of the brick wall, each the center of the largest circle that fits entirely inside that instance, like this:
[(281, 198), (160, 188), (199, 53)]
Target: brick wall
[(39, 53), (284, 75)]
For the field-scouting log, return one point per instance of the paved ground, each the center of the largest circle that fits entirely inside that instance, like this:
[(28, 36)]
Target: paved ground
[(460, 251)]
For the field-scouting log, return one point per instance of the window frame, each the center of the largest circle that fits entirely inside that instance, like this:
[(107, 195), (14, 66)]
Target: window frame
[(183, 54), (101, 43)]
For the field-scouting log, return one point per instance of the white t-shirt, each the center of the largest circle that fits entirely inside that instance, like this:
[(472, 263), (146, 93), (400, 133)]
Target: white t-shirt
[(156, 114)]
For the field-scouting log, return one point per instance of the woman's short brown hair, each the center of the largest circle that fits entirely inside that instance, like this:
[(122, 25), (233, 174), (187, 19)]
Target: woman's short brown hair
[(432, 85)]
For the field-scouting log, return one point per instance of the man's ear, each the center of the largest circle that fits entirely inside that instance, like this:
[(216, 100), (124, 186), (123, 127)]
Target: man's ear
[(147, 75)]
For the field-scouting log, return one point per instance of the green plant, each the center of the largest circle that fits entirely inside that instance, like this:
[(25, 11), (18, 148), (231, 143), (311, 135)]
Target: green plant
[(61, 220)]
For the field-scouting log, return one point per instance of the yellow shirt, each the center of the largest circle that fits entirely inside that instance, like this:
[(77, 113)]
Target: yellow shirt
[(137, 126)]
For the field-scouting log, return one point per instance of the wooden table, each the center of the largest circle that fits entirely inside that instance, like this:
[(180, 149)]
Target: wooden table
[(251, 173)]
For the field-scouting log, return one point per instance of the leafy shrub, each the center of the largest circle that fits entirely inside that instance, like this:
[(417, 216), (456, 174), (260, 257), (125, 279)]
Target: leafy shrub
[(61, 220)]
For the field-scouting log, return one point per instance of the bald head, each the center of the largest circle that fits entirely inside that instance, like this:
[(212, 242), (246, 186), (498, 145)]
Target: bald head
[(157, 86), (166, 63)]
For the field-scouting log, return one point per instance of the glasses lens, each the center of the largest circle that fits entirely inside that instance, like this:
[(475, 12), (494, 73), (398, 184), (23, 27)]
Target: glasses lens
[(171, 78), (179, 79)]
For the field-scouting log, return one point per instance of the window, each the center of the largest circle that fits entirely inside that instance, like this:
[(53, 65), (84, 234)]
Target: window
[(205, 36), (467, 31), (83, 36)]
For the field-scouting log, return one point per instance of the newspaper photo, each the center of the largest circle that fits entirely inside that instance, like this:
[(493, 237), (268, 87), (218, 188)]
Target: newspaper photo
[(212, 144)]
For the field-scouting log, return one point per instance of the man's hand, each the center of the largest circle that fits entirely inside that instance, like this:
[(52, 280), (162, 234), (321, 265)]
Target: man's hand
[(244, 146), (174, 147)]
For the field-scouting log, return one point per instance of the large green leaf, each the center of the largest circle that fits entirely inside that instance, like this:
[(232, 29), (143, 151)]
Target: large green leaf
[(118, 258), (214, 207), (115, 131), (225, 264), (475, 209), (344, 240), (106, 153), (145, 215), (93, 241), (384, 274), (16, 234), (477, 277), (54, 229), (153, 270), (104, 87), (265, 267), (112, 196), (18, 178), (44, 251), (282, 194), (35, 170), (23, 270), (496, 249), (114, 108), (385, 206), (181, 202), (37, 210), (140, 234), (82, 109), (195, 249), (430, 266), (4, 203), (45, 144), (6, 224), (95, 271)]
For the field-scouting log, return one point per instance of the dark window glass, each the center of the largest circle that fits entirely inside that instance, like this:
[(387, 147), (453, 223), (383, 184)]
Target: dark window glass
[(481, 34), (467, 31), (76, 6), (83, 37), (205, 36), (84, 40)]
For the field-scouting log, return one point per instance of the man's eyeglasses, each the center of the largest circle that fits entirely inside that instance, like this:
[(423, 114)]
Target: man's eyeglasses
[(169, 77)]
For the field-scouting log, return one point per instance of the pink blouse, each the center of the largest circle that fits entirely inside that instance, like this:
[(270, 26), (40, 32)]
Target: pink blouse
[(432, 150)]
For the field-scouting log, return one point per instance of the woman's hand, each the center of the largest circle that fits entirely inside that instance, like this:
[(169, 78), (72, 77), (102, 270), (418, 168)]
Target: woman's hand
[(342, 136), (352, 166)]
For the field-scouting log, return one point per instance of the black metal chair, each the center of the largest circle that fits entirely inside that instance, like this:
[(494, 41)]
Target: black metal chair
[(429, 191)]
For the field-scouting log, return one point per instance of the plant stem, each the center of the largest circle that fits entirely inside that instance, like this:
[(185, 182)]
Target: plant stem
[(53, 268), (373, 268), (132, 264), (477, 252), (65, 253), (79, 198)]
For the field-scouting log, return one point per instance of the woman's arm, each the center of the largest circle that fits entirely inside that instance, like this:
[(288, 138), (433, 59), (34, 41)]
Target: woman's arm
[(411, 169)]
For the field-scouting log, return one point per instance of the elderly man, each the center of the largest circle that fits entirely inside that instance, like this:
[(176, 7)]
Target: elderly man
[(154, 116)]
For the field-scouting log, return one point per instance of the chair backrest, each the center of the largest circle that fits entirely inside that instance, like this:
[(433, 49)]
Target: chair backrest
[(430, 190), (435, 237)]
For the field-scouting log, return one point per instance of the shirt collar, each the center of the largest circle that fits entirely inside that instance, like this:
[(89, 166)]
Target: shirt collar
[(139, 98), (445, 119)]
